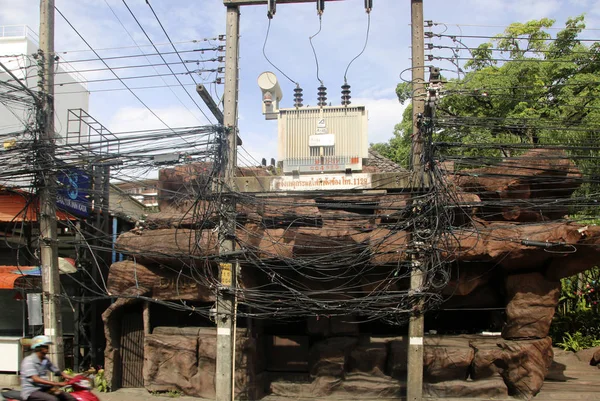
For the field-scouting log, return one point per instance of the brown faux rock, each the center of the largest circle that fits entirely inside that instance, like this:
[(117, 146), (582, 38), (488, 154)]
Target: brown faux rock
[(585, 258), (587, 355), (188, 363), (332, 326), (368, 358), (539, 173), (164, 283), (483, 389), (595, 361), (366, 386), (370, 228), (318, 325), (353, 386), (446, 363), (467, 277), (171, 363), (486, 296), (287, 353), (488, 360), (527, 365), (343, 326), (398, 356), (167, 245), (487, 242), (329, 357), (522, 364), (532, 300), (281, 388), (322, 386)]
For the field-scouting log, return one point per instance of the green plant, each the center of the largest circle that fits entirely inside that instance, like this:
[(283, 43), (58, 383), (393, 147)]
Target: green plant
[(577, 341), (69, 372), (168, 393), (100, 382), (576, 324)]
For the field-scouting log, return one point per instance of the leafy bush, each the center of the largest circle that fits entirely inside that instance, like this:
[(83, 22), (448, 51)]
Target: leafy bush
[(169, 393), (576, 324), (97, 378), (577, 342), (100, 382)]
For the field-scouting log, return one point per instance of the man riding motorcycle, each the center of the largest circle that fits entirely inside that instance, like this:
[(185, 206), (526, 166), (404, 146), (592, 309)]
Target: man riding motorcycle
[(35, 384)]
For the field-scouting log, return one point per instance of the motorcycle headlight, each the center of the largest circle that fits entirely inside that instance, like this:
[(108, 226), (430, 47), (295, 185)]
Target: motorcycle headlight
[(84, 383)]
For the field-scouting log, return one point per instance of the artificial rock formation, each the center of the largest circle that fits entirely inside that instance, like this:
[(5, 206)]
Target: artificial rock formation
[(532, 300), (185, 360), (457, 366), (504, 227)]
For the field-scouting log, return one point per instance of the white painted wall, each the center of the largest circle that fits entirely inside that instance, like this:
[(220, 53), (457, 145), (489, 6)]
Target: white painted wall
[(17, 47)]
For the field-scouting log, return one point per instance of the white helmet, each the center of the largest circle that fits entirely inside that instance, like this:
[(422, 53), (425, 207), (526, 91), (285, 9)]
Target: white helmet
[(39, 341)]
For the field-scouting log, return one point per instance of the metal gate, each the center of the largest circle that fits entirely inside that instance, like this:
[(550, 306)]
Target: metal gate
[(132, 350)]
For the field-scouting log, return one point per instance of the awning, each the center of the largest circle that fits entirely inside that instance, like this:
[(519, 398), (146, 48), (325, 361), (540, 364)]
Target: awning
[(9, 280), (17, 207), (18, 277)]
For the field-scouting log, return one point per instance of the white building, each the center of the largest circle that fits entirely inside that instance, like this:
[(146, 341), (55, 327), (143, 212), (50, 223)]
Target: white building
[(18, 45)]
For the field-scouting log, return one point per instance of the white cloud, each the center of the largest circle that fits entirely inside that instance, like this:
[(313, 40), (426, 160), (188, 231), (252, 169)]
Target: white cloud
[(384, 114), (595, 8), (492, 11), (258, 145), (535, 9), (129, 119)]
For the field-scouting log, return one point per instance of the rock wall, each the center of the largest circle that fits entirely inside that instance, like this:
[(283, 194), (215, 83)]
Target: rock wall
[(185, 360), (454, 366), (499, 245)]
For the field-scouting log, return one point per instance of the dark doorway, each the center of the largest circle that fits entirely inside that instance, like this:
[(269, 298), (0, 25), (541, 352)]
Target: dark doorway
[(132, 349)]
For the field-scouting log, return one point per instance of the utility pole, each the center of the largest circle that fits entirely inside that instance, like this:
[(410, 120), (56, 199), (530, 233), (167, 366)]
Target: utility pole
[(226, 302), (418, 82), (417, 320), (47, 190)]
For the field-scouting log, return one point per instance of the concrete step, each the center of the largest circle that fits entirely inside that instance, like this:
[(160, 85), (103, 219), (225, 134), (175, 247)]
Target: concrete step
[(9, 380)]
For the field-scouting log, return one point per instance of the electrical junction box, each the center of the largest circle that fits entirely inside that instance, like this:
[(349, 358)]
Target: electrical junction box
[(322, 139)]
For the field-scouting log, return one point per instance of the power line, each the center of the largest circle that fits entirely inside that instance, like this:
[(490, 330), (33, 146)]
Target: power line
[(117, 78), (505, 26), (155, 69), (136, 46), (505, 60), (165, 61), (505, 37), (136, 66), (215, 48), (114, 73), (504, 50), (122, 89), (168, 37)]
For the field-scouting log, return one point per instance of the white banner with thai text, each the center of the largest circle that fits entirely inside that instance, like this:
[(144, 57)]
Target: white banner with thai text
[(315, 182)]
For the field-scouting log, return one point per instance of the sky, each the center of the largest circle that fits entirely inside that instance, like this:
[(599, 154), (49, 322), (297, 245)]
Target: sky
[(109, 27)]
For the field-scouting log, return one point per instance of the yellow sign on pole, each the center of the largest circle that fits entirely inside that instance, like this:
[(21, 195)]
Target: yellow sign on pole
[(225, 273)]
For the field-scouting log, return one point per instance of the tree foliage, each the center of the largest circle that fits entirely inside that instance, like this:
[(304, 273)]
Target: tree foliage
[(547, 93)]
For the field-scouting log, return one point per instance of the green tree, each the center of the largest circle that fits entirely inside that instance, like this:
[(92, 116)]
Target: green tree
[(546, 94)]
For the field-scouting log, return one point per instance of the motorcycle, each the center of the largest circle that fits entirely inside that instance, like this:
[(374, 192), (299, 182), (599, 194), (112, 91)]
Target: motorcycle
[(81, 385)]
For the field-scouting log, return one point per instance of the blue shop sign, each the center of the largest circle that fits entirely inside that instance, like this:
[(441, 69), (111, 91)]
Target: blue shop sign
[(73, 191)]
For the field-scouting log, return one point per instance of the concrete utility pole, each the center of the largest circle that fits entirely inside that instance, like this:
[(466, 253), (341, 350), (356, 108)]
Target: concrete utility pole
[(416, 323), (226, 296), (226, 304), (418, 81), (47, 191)]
